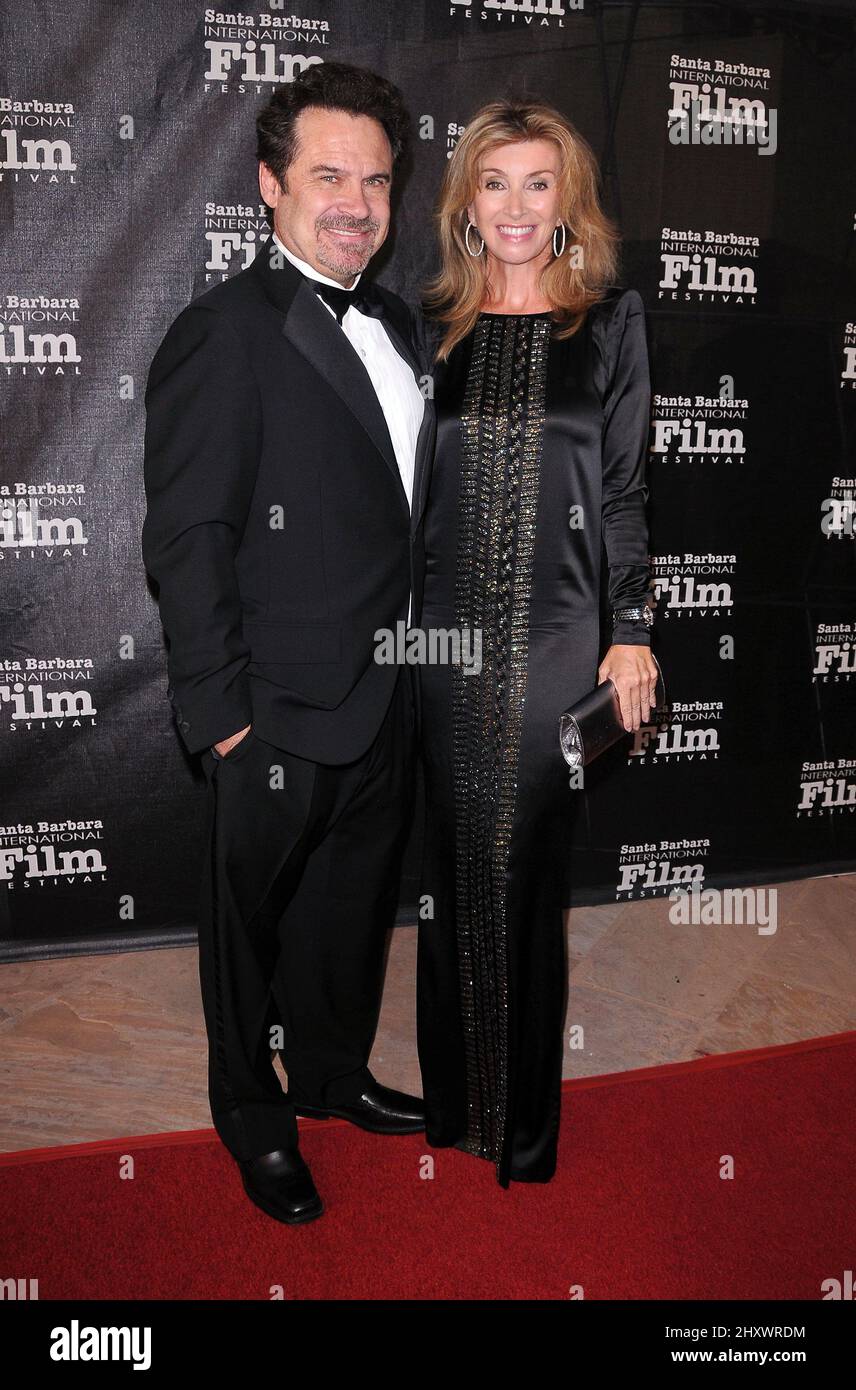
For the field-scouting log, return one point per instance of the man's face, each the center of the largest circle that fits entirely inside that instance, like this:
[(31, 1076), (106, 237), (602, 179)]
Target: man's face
[(334, 210)]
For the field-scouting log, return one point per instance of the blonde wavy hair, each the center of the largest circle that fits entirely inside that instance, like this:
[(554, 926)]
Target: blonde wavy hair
[(572, 285)]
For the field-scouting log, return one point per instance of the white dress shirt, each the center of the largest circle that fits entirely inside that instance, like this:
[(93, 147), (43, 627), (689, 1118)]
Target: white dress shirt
[(395, 386)]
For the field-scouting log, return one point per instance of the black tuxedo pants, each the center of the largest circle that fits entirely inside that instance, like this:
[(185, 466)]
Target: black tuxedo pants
[(299, 888)]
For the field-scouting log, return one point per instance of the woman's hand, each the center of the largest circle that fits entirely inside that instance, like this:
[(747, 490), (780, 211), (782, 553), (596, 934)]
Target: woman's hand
[(635, 676)]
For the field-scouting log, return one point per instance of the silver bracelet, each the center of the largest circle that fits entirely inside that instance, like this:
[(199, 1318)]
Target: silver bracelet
[(643, 613)]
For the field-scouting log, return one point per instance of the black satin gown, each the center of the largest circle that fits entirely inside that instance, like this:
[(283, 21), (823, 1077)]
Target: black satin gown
[(540, 461)]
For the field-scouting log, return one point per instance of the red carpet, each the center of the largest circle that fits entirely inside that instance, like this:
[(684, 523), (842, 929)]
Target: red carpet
[(637, 1208)]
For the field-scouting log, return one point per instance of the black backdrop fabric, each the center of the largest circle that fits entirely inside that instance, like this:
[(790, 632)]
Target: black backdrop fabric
[(128, 185)]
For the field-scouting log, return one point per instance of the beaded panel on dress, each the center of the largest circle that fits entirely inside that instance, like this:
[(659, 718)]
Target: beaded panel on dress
[(502, 427)]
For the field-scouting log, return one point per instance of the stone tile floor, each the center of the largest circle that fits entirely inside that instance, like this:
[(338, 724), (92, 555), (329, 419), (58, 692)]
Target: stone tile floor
[(99, 1047)]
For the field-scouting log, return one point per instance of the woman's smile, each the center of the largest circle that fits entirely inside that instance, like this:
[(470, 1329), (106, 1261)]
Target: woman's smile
[(511, 232)]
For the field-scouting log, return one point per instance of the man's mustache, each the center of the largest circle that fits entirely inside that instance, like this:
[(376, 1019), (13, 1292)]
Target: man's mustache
[(348, 224)]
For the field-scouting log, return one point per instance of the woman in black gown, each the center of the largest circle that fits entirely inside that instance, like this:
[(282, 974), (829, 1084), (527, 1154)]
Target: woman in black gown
[(543, 404)]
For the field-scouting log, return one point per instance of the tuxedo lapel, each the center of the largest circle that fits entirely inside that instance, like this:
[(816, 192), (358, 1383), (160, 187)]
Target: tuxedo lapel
[(316, 335), (403, 347), (422, 465), (425, 441)]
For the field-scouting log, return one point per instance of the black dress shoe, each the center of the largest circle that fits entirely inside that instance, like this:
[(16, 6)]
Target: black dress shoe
[(281, 1184), (379, 1110)]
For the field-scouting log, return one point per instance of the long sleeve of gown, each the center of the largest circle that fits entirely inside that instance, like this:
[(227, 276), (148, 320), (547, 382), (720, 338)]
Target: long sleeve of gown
[(627, 414)]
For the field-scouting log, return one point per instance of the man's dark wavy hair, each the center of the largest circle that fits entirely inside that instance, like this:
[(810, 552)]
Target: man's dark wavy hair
[(333, 87)]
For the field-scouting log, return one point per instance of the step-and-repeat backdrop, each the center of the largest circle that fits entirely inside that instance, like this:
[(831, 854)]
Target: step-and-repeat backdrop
[(128, 186)]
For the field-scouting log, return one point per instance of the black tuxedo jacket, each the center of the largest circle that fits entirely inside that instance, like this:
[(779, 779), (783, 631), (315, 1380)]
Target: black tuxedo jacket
[(277, 527)]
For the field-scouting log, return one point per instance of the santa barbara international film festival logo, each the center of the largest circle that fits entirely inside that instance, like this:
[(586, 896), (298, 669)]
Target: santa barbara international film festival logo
[(653, 870), (708, 267), (251, 52), (52, 854), (36, 141), (708, 104), (693, 586), (827, 788), (518, 14), (38, 335), (848, 369), (41, 521), (838, 510), (834, 653), (699, 429), (47, 693), (675, 868), (454, 131), (689, 733), (234, 233)]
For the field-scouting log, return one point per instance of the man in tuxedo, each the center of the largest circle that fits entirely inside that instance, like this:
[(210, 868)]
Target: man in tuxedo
[(287, 450)]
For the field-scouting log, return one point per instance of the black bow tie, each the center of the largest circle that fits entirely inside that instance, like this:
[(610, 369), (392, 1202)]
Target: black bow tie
[(364, 298)]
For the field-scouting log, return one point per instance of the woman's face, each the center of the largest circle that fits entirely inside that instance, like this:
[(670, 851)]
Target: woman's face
[(516, 207)]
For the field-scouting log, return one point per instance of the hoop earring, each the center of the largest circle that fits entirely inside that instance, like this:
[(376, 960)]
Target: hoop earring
[(557, 253), (472, 228)]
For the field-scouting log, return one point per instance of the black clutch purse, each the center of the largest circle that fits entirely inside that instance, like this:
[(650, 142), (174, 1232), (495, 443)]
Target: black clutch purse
[(594, 723)]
